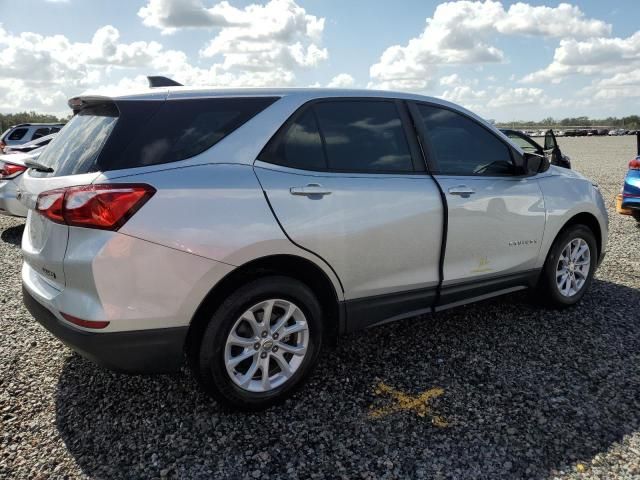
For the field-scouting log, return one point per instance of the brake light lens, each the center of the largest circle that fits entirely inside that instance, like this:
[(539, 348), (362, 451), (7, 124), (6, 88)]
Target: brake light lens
[(105, 207), (634, 164), (10, 170)]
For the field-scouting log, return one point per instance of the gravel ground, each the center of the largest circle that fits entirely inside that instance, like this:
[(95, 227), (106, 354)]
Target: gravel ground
[(512, 390)]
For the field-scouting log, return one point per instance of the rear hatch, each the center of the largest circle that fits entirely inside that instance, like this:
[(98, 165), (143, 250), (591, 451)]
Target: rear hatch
[(70, 159)]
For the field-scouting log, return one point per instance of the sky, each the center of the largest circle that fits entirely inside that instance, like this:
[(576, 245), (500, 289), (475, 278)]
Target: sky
[(504, 60)]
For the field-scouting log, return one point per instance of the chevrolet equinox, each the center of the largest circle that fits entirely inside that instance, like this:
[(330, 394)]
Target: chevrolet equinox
[(240, 229)]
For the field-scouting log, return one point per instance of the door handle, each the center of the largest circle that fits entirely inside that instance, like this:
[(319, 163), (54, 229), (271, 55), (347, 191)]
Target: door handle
[(310, 190), (462, 191)]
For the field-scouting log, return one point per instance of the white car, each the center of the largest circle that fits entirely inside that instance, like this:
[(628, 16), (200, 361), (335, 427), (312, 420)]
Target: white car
[(12, 168)]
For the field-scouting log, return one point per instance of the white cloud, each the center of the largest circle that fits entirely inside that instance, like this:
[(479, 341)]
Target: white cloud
[(562, 21), (259, 45), (602, 56), (170, 15), (460, 32), (449, 80), (342, 80), (255, 45)]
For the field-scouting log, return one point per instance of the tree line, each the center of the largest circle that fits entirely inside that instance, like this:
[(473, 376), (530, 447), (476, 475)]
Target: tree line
[(632, 122), (9, 119)]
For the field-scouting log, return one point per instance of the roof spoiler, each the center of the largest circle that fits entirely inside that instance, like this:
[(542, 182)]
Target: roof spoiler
[(158, 81)]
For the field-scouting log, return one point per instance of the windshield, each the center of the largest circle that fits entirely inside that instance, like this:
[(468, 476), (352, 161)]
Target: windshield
[(75, 149)]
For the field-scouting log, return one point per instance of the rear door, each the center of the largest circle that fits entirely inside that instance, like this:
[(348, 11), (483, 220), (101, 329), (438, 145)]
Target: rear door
[(496, 216), (345, 180)]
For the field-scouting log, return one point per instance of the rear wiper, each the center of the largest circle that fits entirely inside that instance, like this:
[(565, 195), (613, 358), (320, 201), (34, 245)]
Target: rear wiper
[(38, 166)]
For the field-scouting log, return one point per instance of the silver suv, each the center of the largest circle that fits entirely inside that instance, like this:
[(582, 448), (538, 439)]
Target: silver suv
[(241, 229)]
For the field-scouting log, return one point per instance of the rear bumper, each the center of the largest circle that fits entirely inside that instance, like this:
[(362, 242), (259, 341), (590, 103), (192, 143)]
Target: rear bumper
[(139, 351), (9, 204)]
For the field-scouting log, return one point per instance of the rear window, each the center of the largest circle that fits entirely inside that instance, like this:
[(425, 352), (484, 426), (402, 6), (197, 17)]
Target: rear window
[(17, 134), (142, 133), (75, 149)]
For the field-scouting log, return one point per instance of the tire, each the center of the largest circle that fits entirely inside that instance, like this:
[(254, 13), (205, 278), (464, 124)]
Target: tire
[(240, 384), (636, 215), (559, 294)]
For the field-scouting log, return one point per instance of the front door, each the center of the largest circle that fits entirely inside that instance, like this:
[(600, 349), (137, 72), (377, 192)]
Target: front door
[(496, 216)]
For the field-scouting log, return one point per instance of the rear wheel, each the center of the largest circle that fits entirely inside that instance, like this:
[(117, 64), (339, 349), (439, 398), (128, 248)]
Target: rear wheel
[(569, 267), (261, 343), (636, 215)]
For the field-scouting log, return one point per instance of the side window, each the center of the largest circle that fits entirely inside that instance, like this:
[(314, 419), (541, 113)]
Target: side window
[(54, 130), (41, 132), (462, 146), (524, 143), (363, 136), (17, 134), (300, 146)]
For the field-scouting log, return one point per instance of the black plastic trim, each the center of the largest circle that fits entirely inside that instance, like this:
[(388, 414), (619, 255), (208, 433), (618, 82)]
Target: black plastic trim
[(369, 311), (459, 292), (139, 351)]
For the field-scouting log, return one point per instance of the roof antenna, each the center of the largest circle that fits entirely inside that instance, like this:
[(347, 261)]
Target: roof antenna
[(158, 81)]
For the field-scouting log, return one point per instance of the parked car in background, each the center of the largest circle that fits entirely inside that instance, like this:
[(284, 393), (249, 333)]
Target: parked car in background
[(628, 200), (551, 149), (246, 227), (25, 132), (29, 146), (12, 168)]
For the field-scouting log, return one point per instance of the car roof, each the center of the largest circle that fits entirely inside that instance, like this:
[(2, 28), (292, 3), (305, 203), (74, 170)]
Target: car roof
[(302, 95), (160, 93)]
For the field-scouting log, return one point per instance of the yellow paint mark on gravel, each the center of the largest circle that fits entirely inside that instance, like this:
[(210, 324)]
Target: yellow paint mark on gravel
[(580, 468), (404, 402)]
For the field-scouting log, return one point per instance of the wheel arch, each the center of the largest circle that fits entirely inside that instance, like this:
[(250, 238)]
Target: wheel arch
[(589, 220), (293, 266)]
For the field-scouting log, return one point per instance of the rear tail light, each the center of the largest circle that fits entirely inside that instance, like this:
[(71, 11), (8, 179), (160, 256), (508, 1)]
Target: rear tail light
[(634, 164), (106, 207), (9, 170)]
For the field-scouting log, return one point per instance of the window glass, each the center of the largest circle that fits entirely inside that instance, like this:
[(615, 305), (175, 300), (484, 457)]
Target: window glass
[(54, 129), (363, 136), (75, 149), (17, 134), (462, 146), (41, 132), (181, 129), (300, 146), (523, 143)]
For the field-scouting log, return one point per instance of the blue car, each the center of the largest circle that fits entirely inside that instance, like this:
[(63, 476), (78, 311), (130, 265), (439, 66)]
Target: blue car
[(628, 201)]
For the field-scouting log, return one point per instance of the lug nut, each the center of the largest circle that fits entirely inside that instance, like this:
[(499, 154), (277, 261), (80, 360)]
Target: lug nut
[(275, 348), (264, 334), (263, 355), (275, 336), (256, 346)]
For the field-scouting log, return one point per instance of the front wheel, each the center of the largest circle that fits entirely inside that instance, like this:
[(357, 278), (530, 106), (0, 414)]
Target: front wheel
[(261, 343), (569, 268)]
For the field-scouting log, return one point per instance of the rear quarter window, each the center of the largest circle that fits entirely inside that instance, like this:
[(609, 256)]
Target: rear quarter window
[(181, 129)]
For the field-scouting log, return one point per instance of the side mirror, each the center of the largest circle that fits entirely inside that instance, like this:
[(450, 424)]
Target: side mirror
[(533, 163)]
